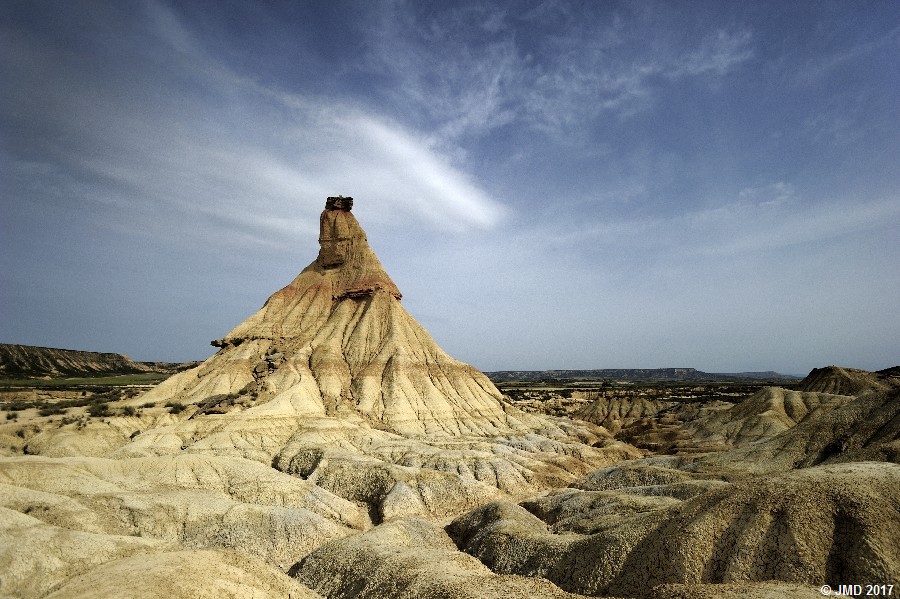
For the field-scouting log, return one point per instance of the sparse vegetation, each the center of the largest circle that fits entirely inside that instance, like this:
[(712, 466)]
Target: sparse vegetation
[(98, 410), (144, 379), (80, 421), (94, 398), (52, 410)]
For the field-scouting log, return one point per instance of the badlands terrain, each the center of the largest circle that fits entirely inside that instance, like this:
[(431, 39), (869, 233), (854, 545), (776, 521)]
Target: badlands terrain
[(330, 448)]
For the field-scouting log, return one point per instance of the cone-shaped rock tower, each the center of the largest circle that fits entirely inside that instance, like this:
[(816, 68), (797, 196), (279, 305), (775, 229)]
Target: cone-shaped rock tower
[(337, 342)]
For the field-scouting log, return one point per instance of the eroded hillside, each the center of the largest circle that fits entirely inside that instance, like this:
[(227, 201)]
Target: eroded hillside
[(330, 448)]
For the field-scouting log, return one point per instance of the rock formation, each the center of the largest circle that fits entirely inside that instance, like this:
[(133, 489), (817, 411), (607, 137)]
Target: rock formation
[(334, 381), (328, 411), (616, 413), (336, 341), (331, 448)]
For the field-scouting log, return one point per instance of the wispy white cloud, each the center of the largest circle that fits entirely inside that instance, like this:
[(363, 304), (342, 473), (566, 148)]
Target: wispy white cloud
[(717, 54), (557, 84), (824, 64)]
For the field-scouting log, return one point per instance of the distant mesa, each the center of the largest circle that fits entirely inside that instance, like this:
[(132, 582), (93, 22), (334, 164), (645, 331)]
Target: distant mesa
[(29, 361), (635, 374)]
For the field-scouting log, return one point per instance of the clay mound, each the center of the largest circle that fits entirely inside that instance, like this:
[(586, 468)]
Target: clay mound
[(588, 512), (865, 428), (845, 381), (615, 413), (206, 574), (609, 495), (410, 558), (765, 414), (337, 342), (829, 523), (635, 474)]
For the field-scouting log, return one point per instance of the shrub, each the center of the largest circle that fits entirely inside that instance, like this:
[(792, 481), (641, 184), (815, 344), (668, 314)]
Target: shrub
[(98, 409), (51, 410), (129, 411), (175, 407), (12, 415)]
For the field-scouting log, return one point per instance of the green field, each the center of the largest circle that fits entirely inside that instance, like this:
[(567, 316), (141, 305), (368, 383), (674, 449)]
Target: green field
[(144, 378)]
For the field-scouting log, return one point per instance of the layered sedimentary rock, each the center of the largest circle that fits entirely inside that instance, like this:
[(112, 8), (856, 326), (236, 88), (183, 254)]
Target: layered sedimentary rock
[(332, 380), (336, 341), (615, 413), (863, 429)]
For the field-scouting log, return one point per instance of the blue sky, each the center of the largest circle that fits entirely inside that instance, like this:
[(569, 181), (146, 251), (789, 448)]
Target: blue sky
[(550, 184)]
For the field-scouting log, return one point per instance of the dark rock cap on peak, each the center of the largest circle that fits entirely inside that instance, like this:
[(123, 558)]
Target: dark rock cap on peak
[(339, 203)]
